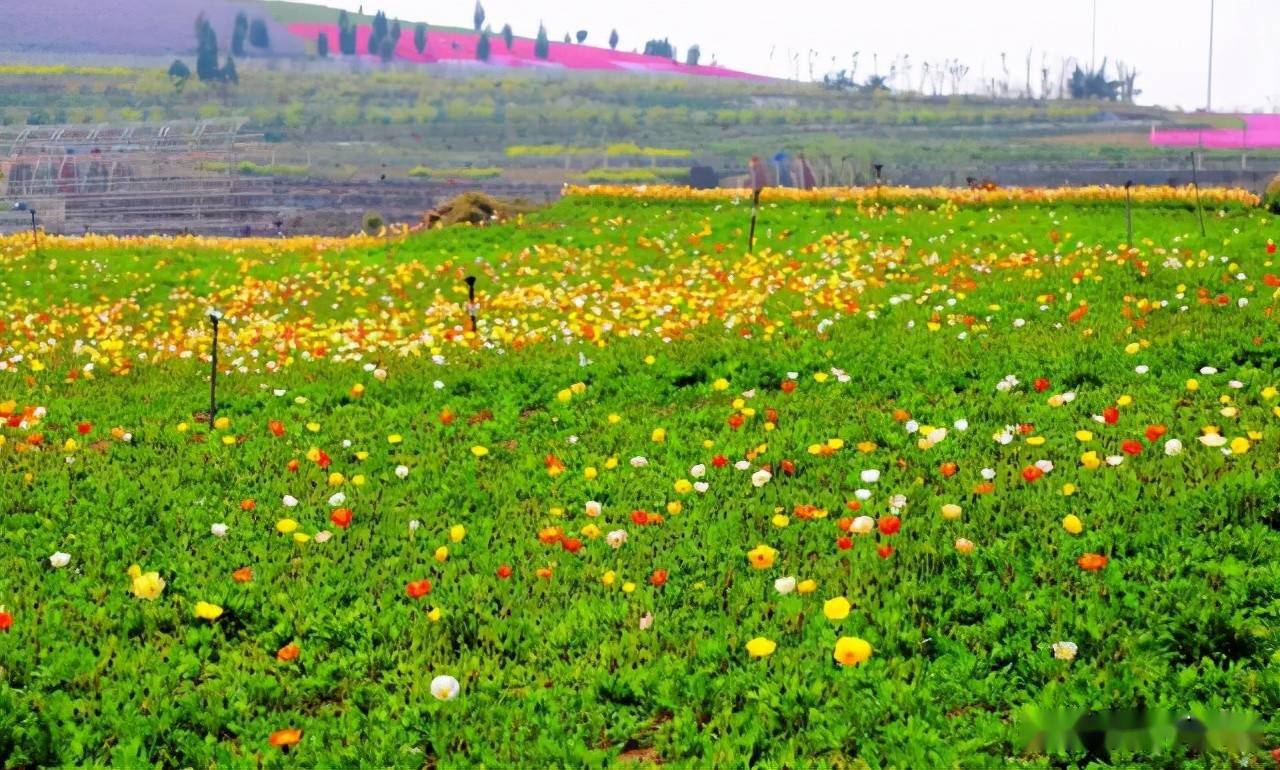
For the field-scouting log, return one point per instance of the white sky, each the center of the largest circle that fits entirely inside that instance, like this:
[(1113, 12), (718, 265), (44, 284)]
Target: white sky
[(1167, 40)]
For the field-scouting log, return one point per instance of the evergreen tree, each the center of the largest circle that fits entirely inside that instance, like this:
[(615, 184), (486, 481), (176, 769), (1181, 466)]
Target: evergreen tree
[(229, 74), (258, 37), (613, 40), (378, 33), (691, 57), (420, 37), (582, 36), (238, 33), (508, 36), (542, 46), (479, 16), (482, 46), (346, 35), (322, 45), (179, 74), (206, 51)]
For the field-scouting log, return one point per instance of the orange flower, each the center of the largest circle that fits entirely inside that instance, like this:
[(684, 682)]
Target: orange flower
[(1092, 562), (286, 737), (418, 588), (550, 535), (544, 573), (287, 653), (247, 505), (242, 575)]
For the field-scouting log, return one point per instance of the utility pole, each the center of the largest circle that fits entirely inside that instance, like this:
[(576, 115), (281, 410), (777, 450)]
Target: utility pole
[(1208, 100)]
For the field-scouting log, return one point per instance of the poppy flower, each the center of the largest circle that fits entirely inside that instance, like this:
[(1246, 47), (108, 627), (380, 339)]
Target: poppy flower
[(658, 578), (284, 738), (84, 428), (844, 543), (550, 535), (640, 517), (788, 386), (544, 573), (207, 611), (341, 517), (6, 620), (1031, 473), (837, 608), (445, 687), (1131, 447), (889, 525), (287, 653), (851, 651), (276, 427), (1041, 384), (885, 551), (1271, 249), (504, 572), (1092, 562), (571, 544), (247, 505), (719, 461), (762, 556), (242, 575), (417, 588), (1154, 432), (760, 647), (948, 469), (1111, 415)]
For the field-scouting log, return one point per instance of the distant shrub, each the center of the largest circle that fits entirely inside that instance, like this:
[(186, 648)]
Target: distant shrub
[(458, 173)]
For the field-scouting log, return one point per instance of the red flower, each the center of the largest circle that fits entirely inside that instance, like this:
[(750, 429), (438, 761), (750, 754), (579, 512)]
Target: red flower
[(788, 467), (293, 466), (719, 461), (544, 573), (844, 543), (1092, 562), (771, 415), (1025, 427), (885, 551), (504, 572), (285, 738), (341, 517), (1154, 432), (247, 505), (658, 578), (639, 517), (287, 653), (322, 459), (844, 523), (1111, 415), (1131, 447), (1271, 249), (276, 427), (6, 620), (446, 416), (242, 575), (948, 469), (736, 420), (84, 428), (853, 505), (889, 525), (1041, 384), (571, 544), (788, 386), (417, 588), (1031, 473)]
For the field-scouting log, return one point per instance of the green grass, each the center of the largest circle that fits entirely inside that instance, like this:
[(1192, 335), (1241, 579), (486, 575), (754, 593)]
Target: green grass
[(647, 304), (460, 173)]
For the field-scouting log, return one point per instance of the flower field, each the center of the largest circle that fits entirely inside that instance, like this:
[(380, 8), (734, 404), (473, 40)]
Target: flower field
[(922, 467)]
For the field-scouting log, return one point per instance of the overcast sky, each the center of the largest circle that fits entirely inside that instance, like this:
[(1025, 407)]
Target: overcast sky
[(1167, 40)]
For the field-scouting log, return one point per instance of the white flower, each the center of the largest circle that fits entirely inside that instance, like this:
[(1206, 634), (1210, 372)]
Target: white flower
[(1068, 397), (1142, 368), (336, 499), (742, 465), (616, 538), (444, 687), (290, 501), (1213, 439), (380, 374), (701, 487), (760, 478), (1208, 370), (414, 524), (862, 525), (323, 536), (1173, 447), (698, 471), (870, 476), (912, 426), (961, 424), (1114, 460), (278, 392), (638, 462), (346, 443), (1003, 437), (219, 530), (438, 385), (402, 471), (646, 621), (898, 502), (1044, 465), (1237, 384), (1064, 650), (988, 473), (784, 585), (593, 508), (862, 494), (59, 559)]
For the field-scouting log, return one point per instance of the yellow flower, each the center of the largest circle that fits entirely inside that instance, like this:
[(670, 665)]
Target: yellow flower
[(434, 615), (395, 438), (806, 586), (148, 585), (761, 647), (614, 418), (314, 427), (564, 395), (457, 532), (358, 480), (590, 532), (1239, 445), (850, 651), (720, 384), (1084, 435), (780, 521), (1091, 460), (1124, 400), (609, 578), (674, 507), (228, 440), (659, 435), (336, 479), (442, 554), (866, 447), (285, 526), (628, 587), (1072, 524), (951, 511), (589, 472), (1068, 489), (479, 451), (1192, 385), (683, 487), (762, 556), (222, 423), (836, 609), (301, 537), (207, 611), (1269, 392)]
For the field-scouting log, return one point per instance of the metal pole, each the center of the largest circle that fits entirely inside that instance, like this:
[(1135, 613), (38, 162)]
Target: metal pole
[(755, 206), (35, 234), (471, 300), (1195, 182), (1128, 212), (1208, 100), (213, 370)]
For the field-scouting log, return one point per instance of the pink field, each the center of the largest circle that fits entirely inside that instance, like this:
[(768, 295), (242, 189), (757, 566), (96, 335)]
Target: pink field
[(455, 46), (1256, 132)]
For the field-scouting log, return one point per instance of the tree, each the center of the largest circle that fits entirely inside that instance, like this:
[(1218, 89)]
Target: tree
[(479, 16), (692, 55), (258, 37), (613, 40), (542, 46), (238, 33), (508, 37), (482, 46), (659, 48), (322, 45), (378, 33), (388, 50), (346, 35), (582, 36), (229, 74), (1094, 84), (420, 37), (206, 51), (179, 74)]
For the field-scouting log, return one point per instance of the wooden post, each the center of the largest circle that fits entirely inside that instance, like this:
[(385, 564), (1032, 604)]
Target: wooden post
[(471, 300)]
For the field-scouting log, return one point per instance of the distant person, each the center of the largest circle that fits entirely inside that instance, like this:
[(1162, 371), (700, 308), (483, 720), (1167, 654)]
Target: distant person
[(807, 180), (784, 170), (759, 174)]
